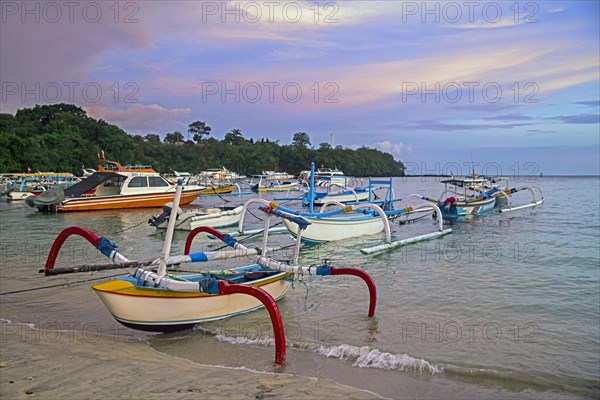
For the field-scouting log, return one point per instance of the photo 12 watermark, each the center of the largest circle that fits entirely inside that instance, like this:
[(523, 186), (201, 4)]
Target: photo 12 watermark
[(71, 254), (469, 332), (470, 92), (70, 12), (262, 331), (470, 12), (253, 12), (271, 92), (68, 92), (484, 253), (517, 172)]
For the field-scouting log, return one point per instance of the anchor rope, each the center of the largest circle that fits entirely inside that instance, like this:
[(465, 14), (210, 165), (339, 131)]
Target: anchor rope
[(126, 229), (59, 285)]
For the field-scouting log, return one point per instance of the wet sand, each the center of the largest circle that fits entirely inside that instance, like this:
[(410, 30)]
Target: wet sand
[(69, 366)]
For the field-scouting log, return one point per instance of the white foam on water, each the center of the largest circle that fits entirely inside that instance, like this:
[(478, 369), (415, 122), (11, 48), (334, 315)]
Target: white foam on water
[(262, 340), (365, 357)]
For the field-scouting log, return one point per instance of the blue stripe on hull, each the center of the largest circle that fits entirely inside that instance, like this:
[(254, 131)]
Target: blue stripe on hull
[(456, 211)]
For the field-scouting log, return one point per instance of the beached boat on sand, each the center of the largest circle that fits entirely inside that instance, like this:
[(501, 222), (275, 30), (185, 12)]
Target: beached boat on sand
[(149, 298)]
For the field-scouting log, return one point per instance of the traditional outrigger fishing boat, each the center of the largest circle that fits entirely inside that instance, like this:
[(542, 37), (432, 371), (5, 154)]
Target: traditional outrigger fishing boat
[(114, 187), (272, 182), (357, 219), (476, 195), (334, 185), (220, 189), (149, 298), (215, 217)]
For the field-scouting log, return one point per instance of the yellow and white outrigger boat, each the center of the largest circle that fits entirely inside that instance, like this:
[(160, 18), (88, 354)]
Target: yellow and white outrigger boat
[(149, 298)]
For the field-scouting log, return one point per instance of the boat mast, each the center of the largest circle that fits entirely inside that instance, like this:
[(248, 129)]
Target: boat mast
[(162, 265)]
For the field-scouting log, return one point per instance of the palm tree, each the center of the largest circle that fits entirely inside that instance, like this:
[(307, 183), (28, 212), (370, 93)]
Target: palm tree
[(234, 137)]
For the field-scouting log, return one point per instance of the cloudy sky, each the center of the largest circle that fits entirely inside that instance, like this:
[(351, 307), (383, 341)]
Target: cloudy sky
[(513, 86)]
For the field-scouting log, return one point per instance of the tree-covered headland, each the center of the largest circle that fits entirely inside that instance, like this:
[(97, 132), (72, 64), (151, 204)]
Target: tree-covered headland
[(63, 138)]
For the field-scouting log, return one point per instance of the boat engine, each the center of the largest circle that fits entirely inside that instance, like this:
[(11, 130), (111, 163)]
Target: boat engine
[(159, 219)]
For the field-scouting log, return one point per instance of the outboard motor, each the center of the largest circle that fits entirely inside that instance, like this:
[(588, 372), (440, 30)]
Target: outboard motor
[(159, 219)]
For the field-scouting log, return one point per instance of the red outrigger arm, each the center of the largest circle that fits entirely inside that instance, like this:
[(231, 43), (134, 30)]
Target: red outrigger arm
[(271, 306), (365, 277), (228, 239), (63, 235), (224, 287)]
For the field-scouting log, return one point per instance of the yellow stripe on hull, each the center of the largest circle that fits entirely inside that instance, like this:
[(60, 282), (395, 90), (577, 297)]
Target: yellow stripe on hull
[(281, 188), (219, 189), (125, 201), (155, 307)]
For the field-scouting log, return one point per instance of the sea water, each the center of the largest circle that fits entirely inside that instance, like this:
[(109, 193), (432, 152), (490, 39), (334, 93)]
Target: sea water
[(506, 305)]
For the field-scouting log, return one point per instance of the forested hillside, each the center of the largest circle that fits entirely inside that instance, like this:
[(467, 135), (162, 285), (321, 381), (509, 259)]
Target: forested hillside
[(62, 138)]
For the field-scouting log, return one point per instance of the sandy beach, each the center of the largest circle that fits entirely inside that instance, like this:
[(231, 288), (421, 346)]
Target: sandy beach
[(67, 366)]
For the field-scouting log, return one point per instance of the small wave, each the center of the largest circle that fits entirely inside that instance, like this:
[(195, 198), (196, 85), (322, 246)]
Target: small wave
[(263, 341), (365, 357)]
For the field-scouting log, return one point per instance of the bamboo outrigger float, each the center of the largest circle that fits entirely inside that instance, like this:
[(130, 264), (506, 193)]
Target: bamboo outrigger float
[(149, 298)]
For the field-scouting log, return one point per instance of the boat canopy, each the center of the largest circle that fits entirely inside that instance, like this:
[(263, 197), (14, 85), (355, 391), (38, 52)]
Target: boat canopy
[(88, 184)]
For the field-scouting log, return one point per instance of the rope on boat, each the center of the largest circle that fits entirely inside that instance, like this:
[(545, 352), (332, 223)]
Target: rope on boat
[(60, 284)]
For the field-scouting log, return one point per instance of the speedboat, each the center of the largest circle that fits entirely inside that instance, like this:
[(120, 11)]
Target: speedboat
[(114, 186)]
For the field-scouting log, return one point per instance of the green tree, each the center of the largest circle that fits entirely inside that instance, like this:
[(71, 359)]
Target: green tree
[(301, 139), (62, 136), (199, 129), (152, 138), (234, 137), (174, 137)]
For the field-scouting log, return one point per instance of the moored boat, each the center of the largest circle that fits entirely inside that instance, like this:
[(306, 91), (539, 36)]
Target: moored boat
[(219, 189), (114, 186), (215, 217), (273, 182), (150, 299)]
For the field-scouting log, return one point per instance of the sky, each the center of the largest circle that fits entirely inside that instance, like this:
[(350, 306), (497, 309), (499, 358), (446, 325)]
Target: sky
[(512, 87)]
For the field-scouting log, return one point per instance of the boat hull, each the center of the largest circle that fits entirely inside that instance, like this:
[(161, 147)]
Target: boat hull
[(330, 229), (18, 196), (218, 189), (124, 201), (469, 208), (202, 217), (162, 310), (342, 198), (277, 188)]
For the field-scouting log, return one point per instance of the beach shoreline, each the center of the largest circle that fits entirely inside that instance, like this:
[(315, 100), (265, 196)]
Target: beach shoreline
[(57, 365)]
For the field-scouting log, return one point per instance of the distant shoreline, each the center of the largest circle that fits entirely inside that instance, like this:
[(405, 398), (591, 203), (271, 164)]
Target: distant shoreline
[(508, 176)]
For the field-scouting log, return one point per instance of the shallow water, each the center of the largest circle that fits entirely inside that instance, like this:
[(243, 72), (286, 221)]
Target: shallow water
[(508, 304)]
